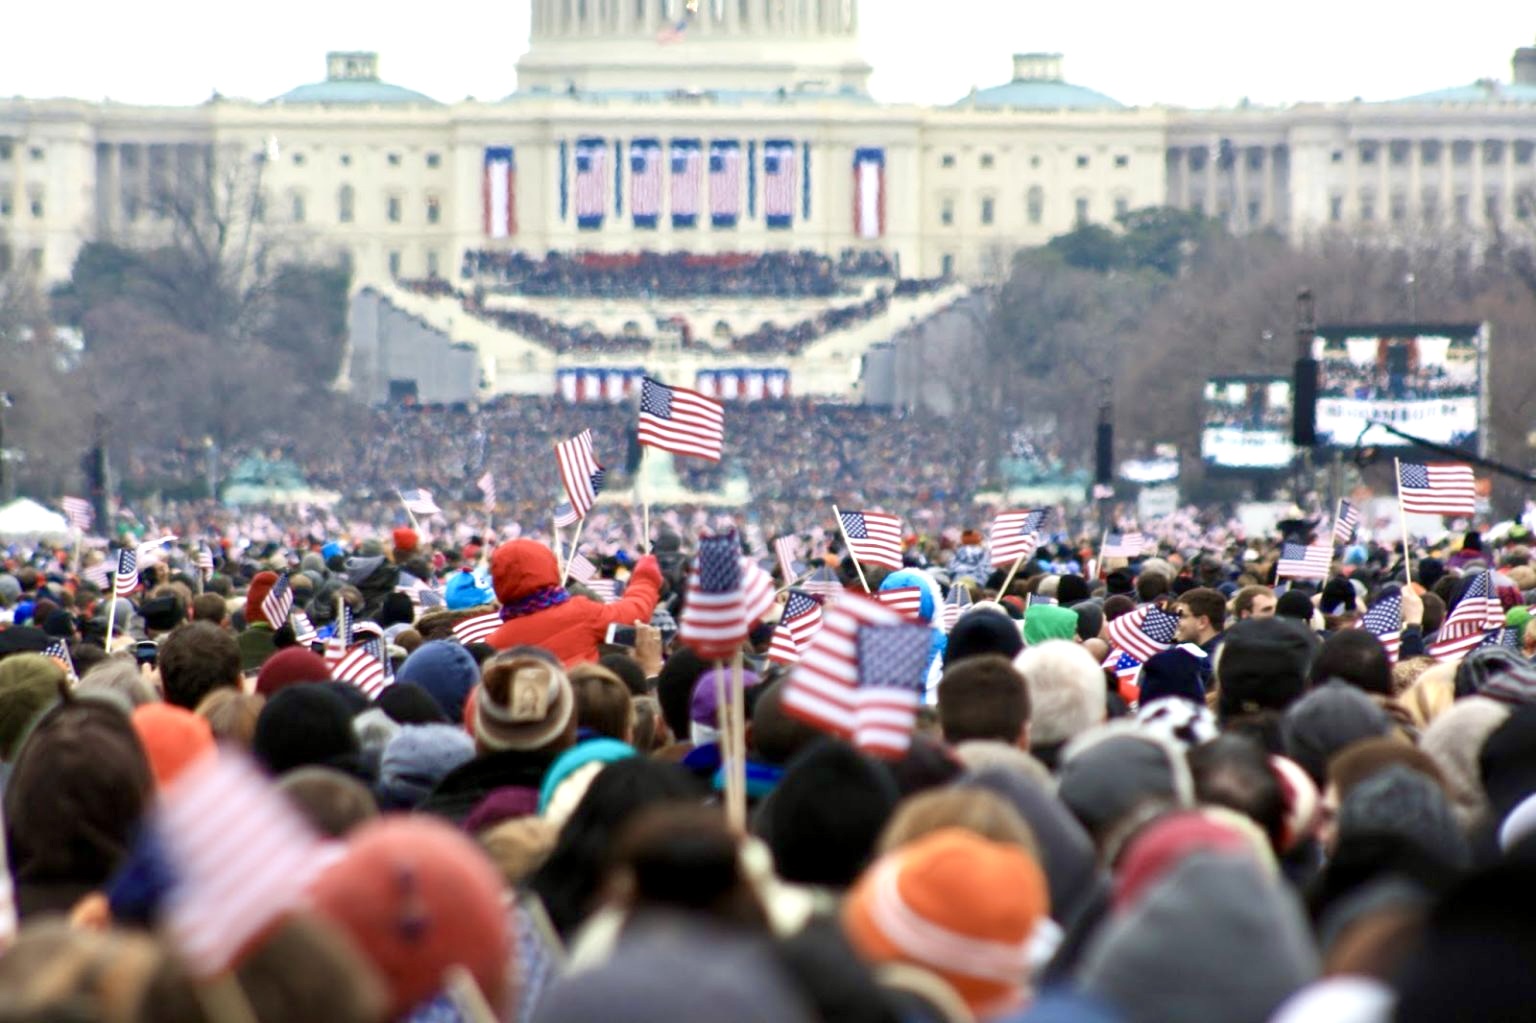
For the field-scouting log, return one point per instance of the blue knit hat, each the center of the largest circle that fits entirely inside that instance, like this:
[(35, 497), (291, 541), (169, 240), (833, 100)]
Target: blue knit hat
[(417, 759), (445, 670), (593, 751)]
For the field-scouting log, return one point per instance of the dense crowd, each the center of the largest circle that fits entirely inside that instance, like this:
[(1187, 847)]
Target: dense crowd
[(1340, 378), (1271, 815), (651, 275)]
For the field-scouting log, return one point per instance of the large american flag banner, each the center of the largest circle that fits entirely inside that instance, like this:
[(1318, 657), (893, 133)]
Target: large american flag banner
[(1384, 620), (874, 538), (724, 182), (1345, 523), (861, 676), (126, 579), (714, 619), (79, 514), (498, 187), (1015, 535), (681, 421), (686, 157), (645, 182), (240, 857), (1144, 632), (869, 192), (779, 179), (797, 626), (591, 183), (1476, 615), (580, 474), (1436, 489), (1304, 561)]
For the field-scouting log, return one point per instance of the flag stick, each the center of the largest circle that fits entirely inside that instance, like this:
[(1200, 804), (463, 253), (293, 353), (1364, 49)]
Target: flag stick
[(565, 573), (645, 505), (414, 524), (79, 543), (1397, 468), (465, 995), (1008, 581), (844, 534), (223, 1000), (111, 608), (737, 770), (725, 741)]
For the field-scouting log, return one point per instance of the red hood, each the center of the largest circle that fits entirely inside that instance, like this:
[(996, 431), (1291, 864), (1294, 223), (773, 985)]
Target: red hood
[(521, 567)]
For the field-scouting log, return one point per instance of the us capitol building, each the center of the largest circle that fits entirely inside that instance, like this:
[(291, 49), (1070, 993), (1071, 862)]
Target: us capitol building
[(743, 126)]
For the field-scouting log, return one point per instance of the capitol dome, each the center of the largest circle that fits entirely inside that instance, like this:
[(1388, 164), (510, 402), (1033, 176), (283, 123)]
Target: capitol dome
[(1038, 85), (352, 78)]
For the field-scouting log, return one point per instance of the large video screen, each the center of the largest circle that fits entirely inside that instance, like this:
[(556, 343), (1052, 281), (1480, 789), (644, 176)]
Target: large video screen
[(1424, 380), (1247, 423)]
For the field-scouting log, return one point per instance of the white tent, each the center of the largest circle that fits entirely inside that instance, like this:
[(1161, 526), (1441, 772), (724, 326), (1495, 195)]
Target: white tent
[(25, 517)]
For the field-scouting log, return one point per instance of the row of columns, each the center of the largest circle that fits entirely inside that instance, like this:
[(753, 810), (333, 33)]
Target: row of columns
[(810, 18)]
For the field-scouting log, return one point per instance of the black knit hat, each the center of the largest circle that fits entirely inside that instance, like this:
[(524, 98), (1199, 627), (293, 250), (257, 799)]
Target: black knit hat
[(1262, 665), (983, 631), (305, 725)]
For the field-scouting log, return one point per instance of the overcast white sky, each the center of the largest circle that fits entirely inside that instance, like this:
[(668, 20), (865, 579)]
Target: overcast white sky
[(1187, 52)]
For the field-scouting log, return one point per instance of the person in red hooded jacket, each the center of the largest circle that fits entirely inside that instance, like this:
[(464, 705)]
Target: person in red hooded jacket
[(537, 611)]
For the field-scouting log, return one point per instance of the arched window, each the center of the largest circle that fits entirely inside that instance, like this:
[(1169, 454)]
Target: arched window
[(1035, 204)]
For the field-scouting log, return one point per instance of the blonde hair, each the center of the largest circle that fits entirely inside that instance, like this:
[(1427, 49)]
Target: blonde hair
[(976, 810), (1431, 694), (231, 714)]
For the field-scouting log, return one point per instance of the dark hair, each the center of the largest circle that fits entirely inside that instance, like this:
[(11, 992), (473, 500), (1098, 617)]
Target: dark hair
[(1354, 656), (209, 607), (1150, 586), (1242, 600), (775, 736), (629, 671), (1233, 771), (1117, 605), (195, 659), (1207, 603), (683, 857), (983, 697)]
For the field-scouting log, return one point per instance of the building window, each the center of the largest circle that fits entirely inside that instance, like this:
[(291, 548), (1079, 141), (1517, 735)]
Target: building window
[(5, 205), (1523, 206), (1197, 205), (1367, 207), (1197, 159), (346, 159), (947, 264), (1368, 152), (394, 159), (434, 161), (947, 212), (1336, 208), (394, 264), (947, 160), (1523, 152), (1493, 151), (1399, 208), (1082, 161), (1255, 213), (1122, 161), (258, 208), (298, 159), (1430, 206), (5, 150), (434, 209), (1461, 152), (1034, 204), (392, 209), (1122, 207), (36, 204), (987, 160), (1034, 162), (297, 209), (988, 210), (36, 152), (431, 262), (345, 199), (1463, 207), (1255, 158), (1429, 151), (35, 260), (1081, 211), (1338, 156), (1492, 208), (1397, 152)]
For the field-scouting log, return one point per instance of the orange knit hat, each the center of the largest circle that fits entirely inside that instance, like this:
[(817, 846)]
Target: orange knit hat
[(172, 738), (957, 905)]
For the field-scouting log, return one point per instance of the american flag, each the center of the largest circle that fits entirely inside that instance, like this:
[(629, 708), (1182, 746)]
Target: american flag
[(874, 538), (675, 31), (1475, 615), (645, 181), (419, 502), (204, 560), (366, 666), (591, 182), (681, 421), (1127, 669), (565, 515), (1384, 620), (779, 180), (1345, 523), (1144, 632), (580, 474), (757, 591), (605, 590), (1124, 545), (1016, 534), (304, 632), (1437, 489), (478, 628), (861, 677), (714, 615), (824, 583), (956, 603), (686, 158), (98, 573), (904, 600), (79, 513), (59, 651), (580, 568), (240, 855), (487, 485), (1304, 561), (278, 602), (126, 579), (340, 640), (724, 182), (798, 624), (787, 550), (1507, 637)]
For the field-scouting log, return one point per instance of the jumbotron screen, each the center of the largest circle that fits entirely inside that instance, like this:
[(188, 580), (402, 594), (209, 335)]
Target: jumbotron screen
[(1247, 423), (1426, 380)]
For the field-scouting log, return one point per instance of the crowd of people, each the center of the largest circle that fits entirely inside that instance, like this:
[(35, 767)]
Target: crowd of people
[(652, 275), (1272, 814)]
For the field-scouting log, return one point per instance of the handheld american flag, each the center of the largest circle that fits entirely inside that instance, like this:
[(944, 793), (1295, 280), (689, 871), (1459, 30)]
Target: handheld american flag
[(1304, 561), (1436, 489), (1475, 615), (957, 603), (204, 560), (1144, 632), (604, 590), (1384, 620), (366, 666), (340, 640), (304, 631), (1345, 523), (1124, 545), (1015, 535), (823, 582), (581, 568), (126, 579), (59, 651), (757, 592), (278, 602), (905, 600), (79, 514), (797, 627), (861, 677), (714, 616), (240, 855), (1127, 669), (787, 550), (565, 515), (681, 421), (873, 537), (99, 574), (580, 474), (487, 485), (419, 502), (478, 628)]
